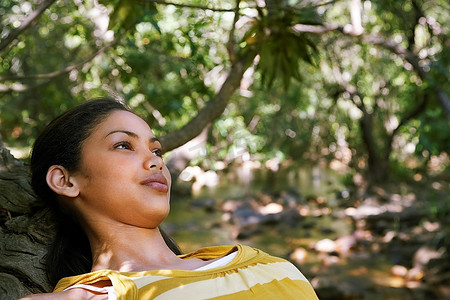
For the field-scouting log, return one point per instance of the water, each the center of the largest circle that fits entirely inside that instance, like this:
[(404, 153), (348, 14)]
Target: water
[(364, 273), (307, 180), (193, 226)]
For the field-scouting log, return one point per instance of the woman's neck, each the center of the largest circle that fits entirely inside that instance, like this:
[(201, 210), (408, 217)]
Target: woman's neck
[(128, 248)]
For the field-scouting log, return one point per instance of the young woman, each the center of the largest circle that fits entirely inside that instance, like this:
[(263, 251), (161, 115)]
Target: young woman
[(99, 168)]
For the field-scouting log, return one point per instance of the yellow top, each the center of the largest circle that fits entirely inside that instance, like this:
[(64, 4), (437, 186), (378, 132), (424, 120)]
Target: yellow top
[(252, 274)]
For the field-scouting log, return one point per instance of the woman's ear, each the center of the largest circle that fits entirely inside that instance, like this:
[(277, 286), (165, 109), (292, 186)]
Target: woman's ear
[(59, 180)]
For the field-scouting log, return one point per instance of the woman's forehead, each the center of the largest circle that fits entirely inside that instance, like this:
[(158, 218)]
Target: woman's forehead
[(122, 120)]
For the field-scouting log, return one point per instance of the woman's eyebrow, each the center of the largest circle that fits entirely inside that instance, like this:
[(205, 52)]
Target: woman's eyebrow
[(133, 135), (155, 139)]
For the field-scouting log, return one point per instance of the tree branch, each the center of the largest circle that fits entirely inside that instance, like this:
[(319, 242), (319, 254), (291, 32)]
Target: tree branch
[(387, 44), (189, 6), (66, 69), (213, 109), (231, 43), (26, 23), (415, 62), (302, 28), (413, 113), (418, 13), (17, 87)]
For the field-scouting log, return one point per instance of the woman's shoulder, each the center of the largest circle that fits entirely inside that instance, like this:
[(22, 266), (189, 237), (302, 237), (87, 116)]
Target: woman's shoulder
[(72, 294)]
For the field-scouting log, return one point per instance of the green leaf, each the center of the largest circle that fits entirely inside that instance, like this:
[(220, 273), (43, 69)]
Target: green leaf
[(280, 48), (128, 12)]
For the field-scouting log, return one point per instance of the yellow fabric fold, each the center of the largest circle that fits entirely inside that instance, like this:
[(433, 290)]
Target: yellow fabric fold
[(251, 274)]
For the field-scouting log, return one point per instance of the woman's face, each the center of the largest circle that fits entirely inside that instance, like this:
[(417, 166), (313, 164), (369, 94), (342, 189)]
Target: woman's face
[(123, 177)]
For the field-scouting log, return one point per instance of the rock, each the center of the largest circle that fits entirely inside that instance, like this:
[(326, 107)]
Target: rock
[(345, 287), (208, 204), (325, 245), (437, 271), (326, 230), (425, 254), (344, 244), (329, 292), (328, 259), (230, 205), (291, 198), (291, 217), (248, 222), (299, 255), (415, 274), (399, 271), (271, 208)]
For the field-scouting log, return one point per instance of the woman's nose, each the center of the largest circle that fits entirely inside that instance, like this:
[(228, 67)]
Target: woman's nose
[(153, 161)]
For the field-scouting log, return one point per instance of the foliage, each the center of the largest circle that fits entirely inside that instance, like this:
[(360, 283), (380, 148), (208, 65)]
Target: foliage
[(279, 47), (353, 99)]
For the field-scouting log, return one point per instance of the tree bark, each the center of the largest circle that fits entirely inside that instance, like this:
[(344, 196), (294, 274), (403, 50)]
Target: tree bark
[(213, 109), (378, 169), (25, 232)]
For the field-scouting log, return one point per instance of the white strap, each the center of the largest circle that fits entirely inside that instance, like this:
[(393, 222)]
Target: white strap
[(112, 294), (218, 263)]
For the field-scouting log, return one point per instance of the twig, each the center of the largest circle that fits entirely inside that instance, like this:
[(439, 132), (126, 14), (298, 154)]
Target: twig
[(25, 24), (231, 43), (387, 44), (67, 69), (190, 5)]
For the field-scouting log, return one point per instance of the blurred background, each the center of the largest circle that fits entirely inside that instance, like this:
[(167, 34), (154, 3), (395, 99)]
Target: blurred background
[(317, 131)]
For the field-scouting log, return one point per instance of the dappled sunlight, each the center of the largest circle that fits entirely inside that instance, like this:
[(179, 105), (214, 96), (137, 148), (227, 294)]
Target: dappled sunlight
[(20, 153), (431, 226), (357, 99), (338, 165), (438, 163), (199, 178), (364, 245), (325, 245), (271, 208), (364, 211), (273, 164), (299, 255), (325, 144)]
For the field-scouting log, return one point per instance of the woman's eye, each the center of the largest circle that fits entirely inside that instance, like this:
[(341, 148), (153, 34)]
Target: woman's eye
[(158, 152), (123, 145)]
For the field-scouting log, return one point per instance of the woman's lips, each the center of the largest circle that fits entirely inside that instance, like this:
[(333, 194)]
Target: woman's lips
[(157, 182)]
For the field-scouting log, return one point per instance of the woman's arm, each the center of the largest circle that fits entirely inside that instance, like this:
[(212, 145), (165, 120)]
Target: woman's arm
[(72, 294)]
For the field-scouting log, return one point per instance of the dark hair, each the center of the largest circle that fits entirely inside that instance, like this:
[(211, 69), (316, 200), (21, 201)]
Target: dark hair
[(60, 144)]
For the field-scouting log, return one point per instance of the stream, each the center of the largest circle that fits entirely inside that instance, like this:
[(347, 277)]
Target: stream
[(348, 248)]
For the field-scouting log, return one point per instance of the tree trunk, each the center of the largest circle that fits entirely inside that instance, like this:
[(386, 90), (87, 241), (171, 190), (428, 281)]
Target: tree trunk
[(25, 232), (378, 168)]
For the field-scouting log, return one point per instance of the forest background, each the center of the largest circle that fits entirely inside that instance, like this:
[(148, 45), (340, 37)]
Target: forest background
[(253, 93)]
